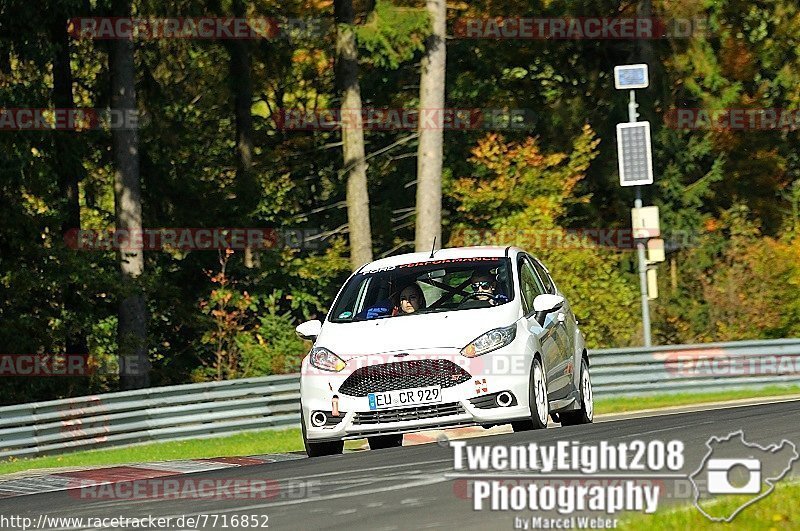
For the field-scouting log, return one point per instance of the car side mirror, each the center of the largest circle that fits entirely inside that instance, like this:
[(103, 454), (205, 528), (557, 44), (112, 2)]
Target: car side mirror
[(309, 330), (546, 303)]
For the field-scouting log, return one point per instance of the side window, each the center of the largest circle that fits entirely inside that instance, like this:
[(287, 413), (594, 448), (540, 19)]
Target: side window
[(546, 280), (530, 286)]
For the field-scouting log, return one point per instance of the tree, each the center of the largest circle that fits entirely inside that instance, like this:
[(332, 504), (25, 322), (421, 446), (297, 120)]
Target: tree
[(69, 169), (246, 186), (355, 164), (430, 150), (132, 325), (519, 195)]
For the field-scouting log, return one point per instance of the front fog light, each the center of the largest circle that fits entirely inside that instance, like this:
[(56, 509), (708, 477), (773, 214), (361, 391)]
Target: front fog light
[(318, 419)]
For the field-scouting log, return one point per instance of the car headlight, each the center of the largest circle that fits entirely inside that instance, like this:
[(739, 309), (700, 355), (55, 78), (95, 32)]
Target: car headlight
[(324, 359), (491, 340)]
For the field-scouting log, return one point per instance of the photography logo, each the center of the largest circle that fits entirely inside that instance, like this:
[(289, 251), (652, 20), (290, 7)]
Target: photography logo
[(735, 467)]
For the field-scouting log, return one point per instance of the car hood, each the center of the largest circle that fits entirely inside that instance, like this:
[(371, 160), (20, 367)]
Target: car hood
[(453, 329)]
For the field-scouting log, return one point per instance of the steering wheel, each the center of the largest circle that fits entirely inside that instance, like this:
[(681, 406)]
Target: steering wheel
[(475, 295)]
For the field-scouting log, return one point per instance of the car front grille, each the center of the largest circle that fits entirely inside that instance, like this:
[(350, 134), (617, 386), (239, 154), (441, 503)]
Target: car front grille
[(403, 375), (413, 413)]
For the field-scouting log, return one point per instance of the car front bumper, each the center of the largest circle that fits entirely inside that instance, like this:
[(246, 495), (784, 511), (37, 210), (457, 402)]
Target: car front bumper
[(489, 374)]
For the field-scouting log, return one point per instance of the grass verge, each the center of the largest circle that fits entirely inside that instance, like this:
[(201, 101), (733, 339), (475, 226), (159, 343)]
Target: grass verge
[(626, 405), (777, 511), (252, 443), (274, 441)]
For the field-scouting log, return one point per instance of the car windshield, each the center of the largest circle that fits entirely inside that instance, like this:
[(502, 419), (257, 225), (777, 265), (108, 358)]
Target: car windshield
[(426, 287)]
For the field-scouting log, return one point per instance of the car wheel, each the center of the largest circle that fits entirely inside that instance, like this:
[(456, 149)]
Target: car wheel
[(380, 442), (319, 449), (585, 414), (537, 398)]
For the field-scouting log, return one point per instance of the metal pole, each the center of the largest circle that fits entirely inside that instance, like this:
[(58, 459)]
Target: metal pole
[(640, 251), (632, 114), (640, 243)]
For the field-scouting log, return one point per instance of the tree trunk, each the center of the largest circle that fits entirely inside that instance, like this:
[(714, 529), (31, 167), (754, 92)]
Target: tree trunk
[(247, 192), (429, 152), (644, 9), (132, 326), (355, 165), (69, 170)]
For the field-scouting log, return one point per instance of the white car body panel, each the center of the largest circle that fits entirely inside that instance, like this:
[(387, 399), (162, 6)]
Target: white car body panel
[(442, 330), (441, 336)]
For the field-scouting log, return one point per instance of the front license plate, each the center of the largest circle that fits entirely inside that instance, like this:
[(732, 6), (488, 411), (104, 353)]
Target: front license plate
[(405, 397)]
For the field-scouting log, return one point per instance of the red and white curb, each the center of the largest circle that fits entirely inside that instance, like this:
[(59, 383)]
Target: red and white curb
[(425, 437), (35, 482), (38, 481), (432, 436)]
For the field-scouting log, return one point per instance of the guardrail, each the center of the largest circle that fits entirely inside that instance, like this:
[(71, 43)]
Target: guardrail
[(700, 368), (223, 408), (156, 414)]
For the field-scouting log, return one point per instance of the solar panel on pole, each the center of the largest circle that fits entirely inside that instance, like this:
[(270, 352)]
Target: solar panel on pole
[(634, 154)]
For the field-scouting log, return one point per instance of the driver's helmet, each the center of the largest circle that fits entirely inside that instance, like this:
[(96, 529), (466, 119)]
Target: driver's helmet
[(488, 276)]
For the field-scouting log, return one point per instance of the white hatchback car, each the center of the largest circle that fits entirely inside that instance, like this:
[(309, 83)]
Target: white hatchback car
[(465, 336)]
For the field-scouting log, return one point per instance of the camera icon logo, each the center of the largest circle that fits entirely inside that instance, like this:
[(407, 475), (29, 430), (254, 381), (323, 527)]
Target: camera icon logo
[(720, 476), (734, 466)]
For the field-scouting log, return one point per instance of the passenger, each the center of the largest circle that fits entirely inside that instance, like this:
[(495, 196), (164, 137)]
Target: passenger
[(411, 299), (408, 301)]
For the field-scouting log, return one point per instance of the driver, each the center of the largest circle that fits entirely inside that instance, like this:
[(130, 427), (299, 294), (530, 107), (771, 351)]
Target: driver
[(484, 284)]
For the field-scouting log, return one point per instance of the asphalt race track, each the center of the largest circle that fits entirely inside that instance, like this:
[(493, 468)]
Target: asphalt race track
[(407, 488)]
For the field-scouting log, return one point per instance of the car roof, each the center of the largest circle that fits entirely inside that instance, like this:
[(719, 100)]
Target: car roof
[(444, 254)]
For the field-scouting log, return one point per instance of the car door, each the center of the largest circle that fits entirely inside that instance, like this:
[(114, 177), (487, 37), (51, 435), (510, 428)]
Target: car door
[(530, 287), (564, 334), (569, 321)]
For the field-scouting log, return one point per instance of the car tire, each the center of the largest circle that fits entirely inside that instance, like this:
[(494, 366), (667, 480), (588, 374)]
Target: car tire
[(537, 400), (584, 415), (379, 442), (319, 449)]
